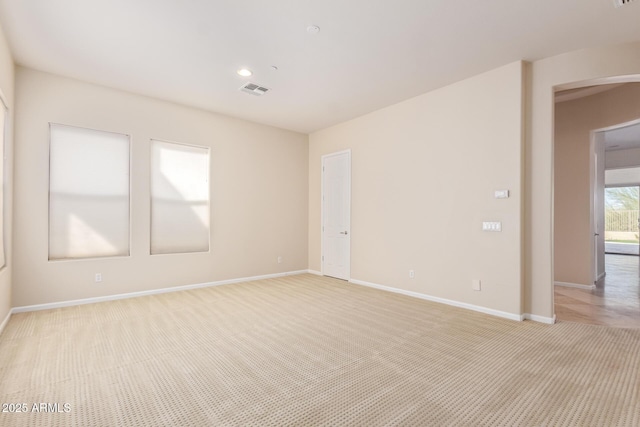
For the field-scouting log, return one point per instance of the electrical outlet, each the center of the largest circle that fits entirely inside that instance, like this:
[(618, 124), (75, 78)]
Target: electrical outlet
[(412, 274), (279, 260), (476, 285), (98, 277), (501, 194)]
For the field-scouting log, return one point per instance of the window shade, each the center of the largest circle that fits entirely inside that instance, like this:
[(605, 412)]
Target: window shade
[(623, 176), (88, 193), (179, 198)]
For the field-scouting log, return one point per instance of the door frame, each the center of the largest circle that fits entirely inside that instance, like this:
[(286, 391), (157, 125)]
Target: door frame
[(597, 157), (596, 142), (322, 244)]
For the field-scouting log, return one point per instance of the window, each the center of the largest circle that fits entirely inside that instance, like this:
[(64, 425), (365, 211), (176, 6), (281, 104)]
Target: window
[(88, 193), (4, 113), (179, 198)]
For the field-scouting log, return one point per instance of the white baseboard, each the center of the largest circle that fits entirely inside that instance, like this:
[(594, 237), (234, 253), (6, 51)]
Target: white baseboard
[(60, 304), (601, 275), (575, 285), (541, 319), (453, 303), (480, 309), (6, 320)]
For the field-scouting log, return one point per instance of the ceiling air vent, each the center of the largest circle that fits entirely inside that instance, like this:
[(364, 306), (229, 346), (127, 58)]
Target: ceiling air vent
[(254, 89), (620, 3)]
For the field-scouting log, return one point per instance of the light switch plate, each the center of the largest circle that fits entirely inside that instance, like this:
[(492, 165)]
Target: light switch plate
[(491, 226)]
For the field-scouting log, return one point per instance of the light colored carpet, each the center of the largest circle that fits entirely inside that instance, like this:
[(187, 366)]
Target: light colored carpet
[(306, 350)]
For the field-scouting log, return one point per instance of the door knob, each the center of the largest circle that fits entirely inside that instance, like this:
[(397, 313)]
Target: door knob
[(344, 232)]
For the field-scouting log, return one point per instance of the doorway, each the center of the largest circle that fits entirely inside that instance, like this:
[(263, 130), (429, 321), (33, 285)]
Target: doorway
[(596, 147), (616, 184), (622, 220)]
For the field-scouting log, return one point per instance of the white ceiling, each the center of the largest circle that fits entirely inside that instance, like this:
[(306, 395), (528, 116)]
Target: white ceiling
[(368, 54)]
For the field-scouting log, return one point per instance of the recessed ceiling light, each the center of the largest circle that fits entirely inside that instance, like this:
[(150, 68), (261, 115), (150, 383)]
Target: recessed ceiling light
[(313, 29), (244, 72)]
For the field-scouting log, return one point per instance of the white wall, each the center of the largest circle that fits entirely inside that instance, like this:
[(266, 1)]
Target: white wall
[(570, 70), (7, 89), (259, 181), (423, 176)]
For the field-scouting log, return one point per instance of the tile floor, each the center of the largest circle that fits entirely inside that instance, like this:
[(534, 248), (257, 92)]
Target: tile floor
[(614, 302), (622, 248)]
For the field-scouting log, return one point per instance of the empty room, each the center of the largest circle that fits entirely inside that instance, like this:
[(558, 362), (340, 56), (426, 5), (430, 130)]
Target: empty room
[(305, 213)]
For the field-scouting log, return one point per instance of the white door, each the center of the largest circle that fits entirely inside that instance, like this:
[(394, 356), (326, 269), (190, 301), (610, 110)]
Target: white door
[(336, 215)]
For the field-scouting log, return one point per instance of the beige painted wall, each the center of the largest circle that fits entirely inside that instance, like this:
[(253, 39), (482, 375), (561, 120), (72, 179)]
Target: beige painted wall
[(240, 252), (423, 176), (565, 71), (259, 191), (7, 88), (574, 121)]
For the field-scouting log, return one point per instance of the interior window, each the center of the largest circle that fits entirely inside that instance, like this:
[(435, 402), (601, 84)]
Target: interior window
[(179, 198), (88, 193)]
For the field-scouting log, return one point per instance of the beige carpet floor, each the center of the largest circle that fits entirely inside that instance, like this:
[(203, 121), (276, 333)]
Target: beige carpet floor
[(306, 350)]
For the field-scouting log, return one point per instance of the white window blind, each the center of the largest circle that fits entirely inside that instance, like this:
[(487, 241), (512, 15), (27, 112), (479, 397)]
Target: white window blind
[(3, 135), (179, 198), (88, 193), (623, 176)]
